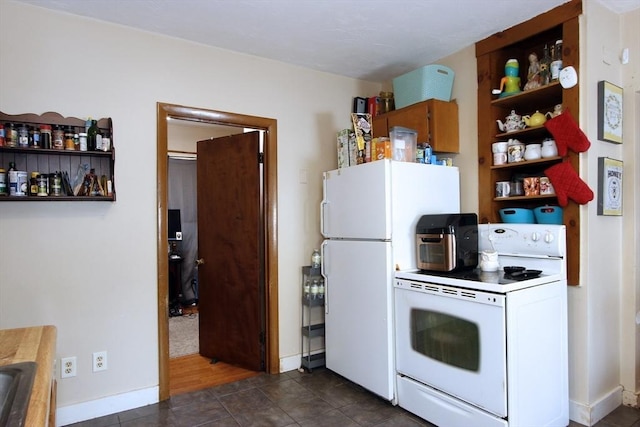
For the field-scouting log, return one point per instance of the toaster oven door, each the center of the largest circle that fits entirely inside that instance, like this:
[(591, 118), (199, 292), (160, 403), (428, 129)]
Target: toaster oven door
[(436, 252)]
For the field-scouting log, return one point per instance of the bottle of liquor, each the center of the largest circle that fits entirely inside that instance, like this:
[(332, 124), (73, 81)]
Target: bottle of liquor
[(556, 65), (545, 67), (92, 136)]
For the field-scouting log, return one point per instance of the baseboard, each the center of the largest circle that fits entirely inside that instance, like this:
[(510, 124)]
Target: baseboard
[(290, 363), (589, 415), (106, 406)]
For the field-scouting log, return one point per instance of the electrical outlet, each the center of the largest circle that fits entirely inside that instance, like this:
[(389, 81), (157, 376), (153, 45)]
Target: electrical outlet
[(68, 367), (99, 361)]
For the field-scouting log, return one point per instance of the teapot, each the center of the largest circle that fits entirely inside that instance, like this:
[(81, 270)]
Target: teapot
[(534, 120), (512, 123)]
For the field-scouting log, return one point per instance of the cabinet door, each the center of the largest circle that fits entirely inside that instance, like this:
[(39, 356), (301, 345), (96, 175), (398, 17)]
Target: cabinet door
[(412, 117), (436, 122), (442, 125), (380, 127)]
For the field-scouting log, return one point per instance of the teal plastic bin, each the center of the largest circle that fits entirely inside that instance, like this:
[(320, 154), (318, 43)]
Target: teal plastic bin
[(428, 82)]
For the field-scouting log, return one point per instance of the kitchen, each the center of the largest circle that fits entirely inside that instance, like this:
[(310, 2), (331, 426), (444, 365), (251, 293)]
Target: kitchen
[(128, 292)]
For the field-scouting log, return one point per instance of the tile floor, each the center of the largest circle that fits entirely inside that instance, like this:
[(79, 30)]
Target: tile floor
[(319, 399)]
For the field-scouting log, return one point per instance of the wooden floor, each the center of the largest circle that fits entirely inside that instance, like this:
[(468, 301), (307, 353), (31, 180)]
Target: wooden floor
[(194, 372)]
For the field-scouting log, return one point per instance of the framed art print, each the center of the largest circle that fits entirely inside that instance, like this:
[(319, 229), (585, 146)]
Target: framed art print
[(609, 112), (610, 172)]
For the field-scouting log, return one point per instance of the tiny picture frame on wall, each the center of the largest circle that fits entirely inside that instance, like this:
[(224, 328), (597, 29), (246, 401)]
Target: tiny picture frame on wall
[(609, 112), (610, 173)]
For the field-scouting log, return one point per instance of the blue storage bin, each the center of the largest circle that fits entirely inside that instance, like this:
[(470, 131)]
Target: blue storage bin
[(548, 215), (517, 216), (428, 82)]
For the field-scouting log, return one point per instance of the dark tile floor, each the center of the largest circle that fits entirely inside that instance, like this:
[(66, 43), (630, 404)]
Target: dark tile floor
[(319, 399)]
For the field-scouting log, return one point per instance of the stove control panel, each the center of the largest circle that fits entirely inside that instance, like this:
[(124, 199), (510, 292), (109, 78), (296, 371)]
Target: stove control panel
[(546, 240)]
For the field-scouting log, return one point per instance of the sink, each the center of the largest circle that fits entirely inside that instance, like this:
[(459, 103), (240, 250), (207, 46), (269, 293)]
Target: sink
[(16, 382)]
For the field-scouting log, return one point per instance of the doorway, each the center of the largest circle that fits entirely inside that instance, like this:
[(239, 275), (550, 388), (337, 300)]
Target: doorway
[(269, 126)]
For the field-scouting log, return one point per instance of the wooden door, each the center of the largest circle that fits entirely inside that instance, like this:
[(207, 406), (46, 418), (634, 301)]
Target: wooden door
[(231, 298)]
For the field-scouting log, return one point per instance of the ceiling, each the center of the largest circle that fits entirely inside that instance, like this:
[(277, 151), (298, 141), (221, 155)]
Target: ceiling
[(372, 40)]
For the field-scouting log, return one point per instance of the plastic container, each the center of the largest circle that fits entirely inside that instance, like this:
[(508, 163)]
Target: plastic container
[(548, 215), (404, 142), (429, 82), (517, 216)]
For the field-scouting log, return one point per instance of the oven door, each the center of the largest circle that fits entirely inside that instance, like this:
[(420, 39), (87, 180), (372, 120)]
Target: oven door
[(453, 340)]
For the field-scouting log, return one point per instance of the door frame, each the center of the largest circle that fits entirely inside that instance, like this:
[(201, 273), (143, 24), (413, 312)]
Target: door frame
[(166, 111)]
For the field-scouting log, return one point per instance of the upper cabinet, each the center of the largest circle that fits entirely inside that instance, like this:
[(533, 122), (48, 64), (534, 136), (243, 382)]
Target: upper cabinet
[(492, 54), (50, 169), (436, 122)]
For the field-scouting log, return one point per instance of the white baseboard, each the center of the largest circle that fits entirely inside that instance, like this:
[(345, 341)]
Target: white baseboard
[(290, 363), (588, 415), (106, 406)]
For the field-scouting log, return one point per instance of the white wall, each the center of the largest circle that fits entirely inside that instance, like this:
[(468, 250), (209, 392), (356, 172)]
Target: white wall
[(90, 268), (598, 314)]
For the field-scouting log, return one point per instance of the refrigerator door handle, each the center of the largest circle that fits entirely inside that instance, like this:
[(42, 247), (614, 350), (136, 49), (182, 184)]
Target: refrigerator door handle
[(324, 274), (322, 204)]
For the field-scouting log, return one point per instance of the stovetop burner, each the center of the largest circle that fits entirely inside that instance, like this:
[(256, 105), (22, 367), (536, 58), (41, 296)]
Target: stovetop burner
[(477, 275)]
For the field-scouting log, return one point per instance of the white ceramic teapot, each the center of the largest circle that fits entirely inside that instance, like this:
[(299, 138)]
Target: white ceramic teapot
[(513, 122)]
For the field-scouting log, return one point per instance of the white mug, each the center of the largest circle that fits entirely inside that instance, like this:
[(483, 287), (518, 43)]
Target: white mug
[(499, 158), (503, 189)]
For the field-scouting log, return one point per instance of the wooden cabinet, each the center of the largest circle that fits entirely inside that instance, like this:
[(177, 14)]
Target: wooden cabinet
[(71, 163), (436, 122), (492, 53)]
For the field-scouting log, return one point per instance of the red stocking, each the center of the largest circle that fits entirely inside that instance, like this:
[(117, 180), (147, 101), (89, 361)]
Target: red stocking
[(568, 184), (566, 132)]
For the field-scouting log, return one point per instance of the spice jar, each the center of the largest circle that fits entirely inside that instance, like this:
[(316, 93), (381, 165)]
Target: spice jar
[(3, 182), (69, 144), (23, 136), (58, 138), (1, 135), (33, 184), (55, 184), (43, 188), (34, 137), (45, 136), (10, 135)]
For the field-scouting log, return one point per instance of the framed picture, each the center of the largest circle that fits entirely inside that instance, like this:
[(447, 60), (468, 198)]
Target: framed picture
[(609, 112), (610, 172)]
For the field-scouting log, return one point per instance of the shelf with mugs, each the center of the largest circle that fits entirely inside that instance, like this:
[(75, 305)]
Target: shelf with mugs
[(526, 163), (525, 198), (84, 175), (493, 55)]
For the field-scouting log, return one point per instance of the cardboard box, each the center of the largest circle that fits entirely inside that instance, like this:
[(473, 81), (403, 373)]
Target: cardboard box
[(343, 148)]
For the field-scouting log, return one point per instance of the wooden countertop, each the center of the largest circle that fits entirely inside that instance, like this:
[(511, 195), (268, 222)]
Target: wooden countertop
[(35, 344)]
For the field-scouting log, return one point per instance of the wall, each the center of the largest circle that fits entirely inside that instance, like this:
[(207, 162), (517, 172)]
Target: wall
[(599, 358), (90, 268)]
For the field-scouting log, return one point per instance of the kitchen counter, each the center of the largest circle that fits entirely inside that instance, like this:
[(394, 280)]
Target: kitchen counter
[(34, 344)]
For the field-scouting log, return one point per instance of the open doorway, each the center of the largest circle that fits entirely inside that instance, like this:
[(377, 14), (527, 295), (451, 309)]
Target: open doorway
[(269, 219)]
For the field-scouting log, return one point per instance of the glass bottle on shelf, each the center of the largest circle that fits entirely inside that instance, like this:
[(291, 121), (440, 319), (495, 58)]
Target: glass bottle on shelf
[(316, 259), (545, 67), (556, 65), (92, 136)]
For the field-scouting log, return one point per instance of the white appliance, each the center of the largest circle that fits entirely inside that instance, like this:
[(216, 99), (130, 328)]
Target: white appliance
[(368, 216), (483, 348)]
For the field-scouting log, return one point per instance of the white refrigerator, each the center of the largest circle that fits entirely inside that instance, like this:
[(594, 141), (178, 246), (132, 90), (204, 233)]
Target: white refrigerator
[(368, 217)]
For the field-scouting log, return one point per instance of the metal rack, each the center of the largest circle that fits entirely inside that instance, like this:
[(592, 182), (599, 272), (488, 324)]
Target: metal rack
[(310, 331)]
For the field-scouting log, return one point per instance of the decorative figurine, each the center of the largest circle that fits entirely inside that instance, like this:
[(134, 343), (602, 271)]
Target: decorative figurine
[(533, 75), (510, 83)]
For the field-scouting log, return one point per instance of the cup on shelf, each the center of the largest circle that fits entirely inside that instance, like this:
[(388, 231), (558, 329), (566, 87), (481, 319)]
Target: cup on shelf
[(499, 158), (532, 186), (503, 189)]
